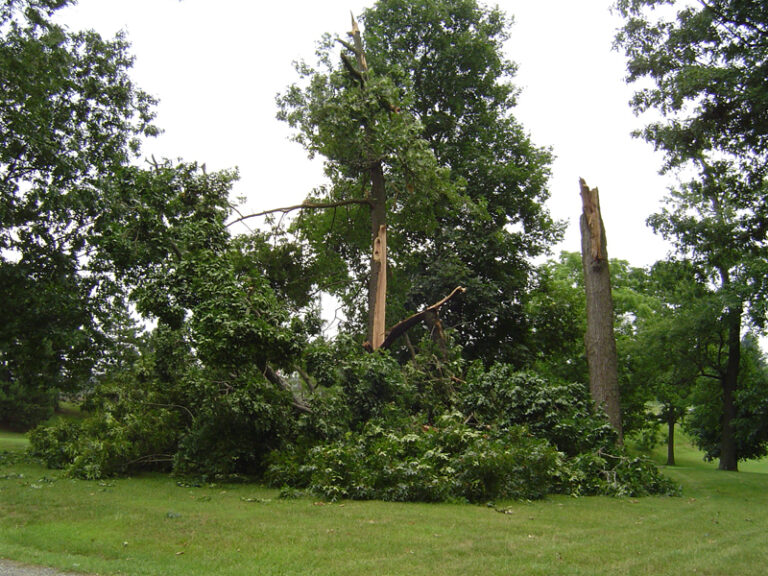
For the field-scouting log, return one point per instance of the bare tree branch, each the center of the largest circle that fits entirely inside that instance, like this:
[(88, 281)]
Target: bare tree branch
[(303, 206)]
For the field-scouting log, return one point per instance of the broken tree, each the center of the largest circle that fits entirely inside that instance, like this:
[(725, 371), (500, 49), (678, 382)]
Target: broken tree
[(599, 339)]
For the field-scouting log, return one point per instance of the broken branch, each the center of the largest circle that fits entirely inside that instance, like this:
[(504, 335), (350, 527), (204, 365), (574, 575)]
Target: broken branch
[(303, 206), (404, 325)]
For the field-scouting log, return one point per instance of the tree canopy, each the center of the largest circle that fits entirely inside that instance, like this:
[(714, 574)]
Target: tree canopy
[(70, 116), (466, 187), (707, 66)]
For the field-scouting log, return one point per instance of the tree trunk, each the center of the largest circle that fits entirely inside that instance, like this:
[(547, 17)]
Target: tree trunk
[(377, 282), (729, 459), (671, 439), (600, 339)]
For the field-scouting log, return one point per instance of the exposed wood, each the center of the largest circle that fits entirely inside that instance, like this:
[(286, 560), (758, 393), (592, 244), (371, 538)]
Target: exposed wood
[(600, 340), (304, 206), (357, 39), (590, 200), (380, 293), (377, 281), (404, 325)]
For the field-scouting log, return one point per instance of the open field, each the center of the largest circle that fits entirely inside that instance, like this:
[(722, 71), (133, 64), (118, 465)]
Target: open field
[(151, 525)]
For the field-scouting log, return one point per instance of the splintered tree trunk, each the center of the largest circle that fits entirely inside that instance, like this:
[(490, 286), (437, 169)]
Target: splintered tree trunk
[(377, 282), (600, 339)]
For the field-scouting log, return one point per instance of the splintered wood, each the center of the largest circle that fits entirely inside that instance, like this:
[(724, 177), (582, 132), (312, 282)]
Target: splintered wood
[(380, 307), (590, 200)]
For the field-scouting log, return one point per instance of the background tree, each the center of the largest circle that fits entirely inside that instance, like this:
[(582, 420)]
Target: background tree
[(556, 311), (708, 66), (667, 354), (750, 424), (69, 115)]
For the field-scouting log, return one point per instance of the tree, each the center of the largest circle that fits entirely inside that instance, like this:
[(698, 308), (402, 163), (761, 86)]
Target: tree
[(708, 67), (69, 115), (203, 391), (449, 57), (750, 424), (474, 225), (352, 116), (669, 350)]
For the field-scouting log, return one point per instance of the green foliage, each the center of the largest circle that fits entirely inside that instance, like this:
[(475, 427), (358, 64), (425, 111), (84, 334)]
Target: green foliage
[(414, 461), (492, 434), (70, 116), (436, 113), (750, 425), (167, 412), (447, 57), (707, 69), (559, 413)]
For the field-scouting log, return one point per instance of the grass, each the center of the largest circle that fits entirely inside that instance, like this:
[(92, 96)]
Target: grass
[(152, 526)]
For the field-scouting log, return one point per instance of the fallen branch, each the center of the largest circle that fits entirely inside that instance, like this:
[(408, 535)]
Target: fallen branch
[(404, 325), (303, 206), (277, 380)]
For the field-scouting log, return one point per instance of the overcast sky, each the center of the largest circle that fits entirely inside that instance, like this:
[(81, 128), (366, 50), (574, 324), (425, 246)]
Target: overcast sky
[(217, 66)]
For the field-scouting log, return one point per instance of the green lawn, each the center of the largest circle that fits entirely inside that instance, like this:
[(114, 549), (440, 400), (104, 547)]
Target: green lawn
[(151, 525), (12, 441)]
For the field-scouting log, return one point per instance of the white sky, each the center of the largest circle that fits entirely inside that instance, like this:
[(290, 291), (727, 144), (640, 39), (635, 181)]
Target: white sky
[(217, 66)]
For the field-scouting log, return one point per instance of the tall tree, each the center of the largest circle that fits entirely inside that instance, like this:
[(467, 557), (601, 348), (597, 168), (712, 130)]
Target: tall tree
[(69, 115), (383, 176), (465, 185), (707, 65), (449, 57)]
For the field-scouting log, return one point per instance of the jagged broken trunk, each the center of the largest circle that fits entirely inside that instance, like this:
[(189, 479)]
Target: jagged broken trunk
[(599, 339)]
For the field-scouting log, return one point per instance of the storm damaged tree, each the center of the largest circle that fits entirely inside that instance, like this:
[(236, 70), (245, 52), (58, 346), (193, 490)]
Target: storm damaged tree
[(377, 163), (449, 57), (599, 339)]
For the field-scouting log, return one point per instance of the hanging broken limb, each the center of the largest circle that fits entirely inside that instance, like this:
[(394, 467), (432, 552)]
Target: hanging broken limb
[(404, 325)]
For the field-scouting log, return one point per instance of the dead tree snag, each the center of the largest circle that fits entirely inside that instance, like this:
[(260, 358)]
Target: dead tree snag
[(600, 340)]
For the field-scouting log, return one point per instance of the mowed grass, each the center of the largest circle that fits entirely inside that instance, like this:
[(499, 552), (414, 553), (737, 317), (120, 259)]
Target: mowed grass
[(151, 525)]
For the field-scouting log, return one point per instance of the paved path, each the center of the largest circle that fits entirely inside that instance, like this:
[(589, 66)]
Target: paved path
[(11, 568)]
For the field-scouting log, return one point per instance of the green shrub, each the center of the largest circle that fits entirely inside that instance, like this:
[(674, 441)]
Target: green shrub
[(414, 461), (562, 413)]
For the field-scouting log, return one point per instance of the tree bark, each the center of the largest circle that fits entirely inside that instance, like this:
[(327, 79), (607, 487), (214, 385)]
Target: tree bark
[(729, 459), (670, 439), (600, 340)]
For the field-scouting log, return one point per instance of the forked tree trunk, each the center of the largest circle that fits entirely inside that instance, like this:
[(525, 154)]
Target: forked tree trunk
[(600, 339)]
